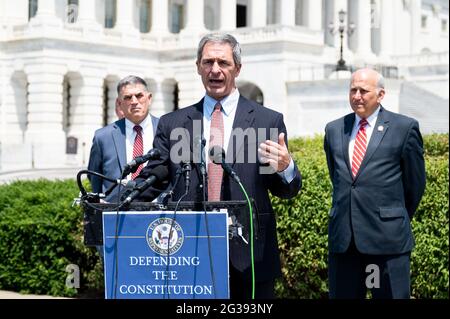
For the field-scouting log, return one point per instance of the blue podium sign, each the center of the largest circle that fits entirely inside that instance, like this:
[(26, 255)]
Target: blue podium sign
[(160, 255)]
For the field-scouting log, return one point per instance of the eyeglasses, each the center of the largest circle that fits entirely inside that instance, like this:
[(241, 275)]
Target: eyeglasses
[(129, 97)]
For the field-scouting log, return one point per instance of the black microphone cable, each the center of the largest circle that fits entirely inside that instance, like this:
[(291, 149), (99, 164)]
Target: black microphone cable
[(217, 155), (201, 142), (158, 174), (186, 169), (116, 239), (211, 267)]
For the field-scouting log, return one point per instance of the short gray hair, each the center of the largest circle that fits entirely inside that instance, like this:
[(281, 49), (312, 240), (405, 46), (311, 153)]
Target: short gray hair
[(220, 38), (131, 79), (380, 82)]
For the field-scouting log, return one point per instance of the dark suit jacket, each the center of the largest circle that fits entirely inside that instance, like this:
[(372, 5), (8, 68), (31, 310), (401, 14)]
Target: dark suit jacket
[(109, 155), (248, 115), (377, 206)]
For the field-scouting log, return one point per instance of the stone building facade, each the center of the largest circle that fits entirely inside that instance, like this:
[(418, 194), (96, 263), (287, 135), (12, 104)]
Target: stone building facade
[(60, 61)]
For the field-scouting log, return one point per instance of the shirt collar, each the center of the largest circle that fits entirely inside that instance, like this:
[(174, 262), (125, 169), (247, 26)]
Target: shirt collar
[(228, 103), (130, 125), (370, 120)]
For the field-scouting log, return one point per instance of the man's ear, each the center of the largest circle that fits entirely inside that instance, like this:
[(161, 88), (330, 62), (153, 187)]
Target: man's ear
[(238, 68), (381, 95), (198, 68)]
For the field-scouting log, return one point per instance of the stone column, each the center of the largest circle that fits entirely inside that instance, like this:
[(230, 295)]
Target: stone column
[(45, 100), (227, 14), (312, 14), (14, 107), (162, 97), (87, 111), (15, 153), (287, 12), (258, 13), (386, 29), (46, 17), (360, 41), (86, 17), (124, 21), (160, 17), (194, 17), (13, 13), (338, 6), (415, 13), (111, 101)]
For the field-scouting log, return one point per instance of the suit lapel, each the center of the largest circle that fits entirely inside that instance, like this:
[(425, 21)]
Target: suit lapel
[(346, 134), (154, 123), (119, 137), (380, 128), (243, 119), (194, 117)]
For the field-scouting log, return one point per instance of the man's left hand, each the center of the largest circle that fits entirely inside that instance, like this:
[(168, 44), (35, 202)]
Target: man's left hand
[(276, 154)]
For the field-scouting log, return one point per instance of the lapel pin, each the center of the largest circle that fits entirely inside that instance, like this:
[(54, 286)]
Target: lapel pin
[(380, 128)]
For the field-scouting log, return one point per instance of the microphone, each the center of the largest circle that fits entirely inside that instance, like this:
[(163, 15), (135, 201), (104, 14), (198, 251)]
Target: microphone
[(187, 174), (217, 156), (159, 173), (133, 165), (199, 144)]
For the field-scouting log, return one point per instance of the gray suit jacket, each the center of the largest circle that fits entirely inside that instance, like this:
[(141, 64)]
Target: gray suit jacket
[(108, 155), (376, 207)]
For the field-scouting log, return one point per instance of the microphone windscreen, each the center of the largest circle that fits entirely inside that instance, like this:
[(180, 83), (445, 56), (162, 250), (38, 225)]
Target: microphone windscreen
[(160, 172), (216, 154), (154, 153)]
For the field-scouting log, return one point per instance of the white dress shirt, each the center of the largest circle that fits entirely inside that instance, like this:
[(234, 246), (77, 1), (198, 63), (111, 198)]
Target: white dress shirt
[(229, 105)]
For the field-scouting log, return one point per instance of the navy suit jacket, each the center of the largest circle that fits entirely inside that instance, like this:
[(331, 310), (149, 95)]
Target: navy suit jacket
[(109, 155), (248, 115), (377, 206)]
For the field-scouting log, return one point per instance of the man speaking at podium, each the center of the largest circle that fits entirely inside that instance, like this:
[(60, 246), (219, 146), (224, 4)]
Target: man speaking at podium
[(222, 118)]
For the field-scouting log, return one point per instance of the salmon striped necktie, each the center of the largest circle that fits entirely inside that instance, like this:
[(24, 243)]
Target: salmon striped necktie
[(215, 171), (138, 148), (359, 149)]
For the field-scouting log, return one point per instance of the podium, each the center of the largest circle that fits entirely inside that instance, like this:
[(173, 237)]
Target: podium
[(154, 252)]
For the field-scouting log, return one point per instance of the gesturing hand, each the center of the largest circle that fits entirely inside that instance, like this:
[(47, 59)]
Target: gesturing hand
[(276, 154)]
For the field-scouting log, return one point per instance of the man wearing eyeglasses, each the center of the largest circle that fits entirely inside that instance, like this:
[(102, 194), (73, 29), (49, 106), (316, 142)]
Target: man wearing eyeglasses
[(118, 143)]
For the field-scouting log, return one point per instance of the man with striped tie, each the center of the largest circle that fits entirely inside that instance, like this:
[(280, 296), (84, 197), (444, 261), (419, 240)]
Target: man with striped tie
[(118, 143), (376, 165)]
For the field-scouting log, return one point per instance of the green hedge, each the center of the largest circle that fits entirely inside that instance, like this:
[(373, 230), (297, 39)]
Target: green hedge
[(303, 225), (41, 233)]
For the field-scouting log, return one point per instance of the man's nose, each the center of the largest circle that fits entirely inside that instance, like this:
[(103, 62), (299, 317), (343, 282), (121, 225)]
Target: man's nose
[(215, 67)]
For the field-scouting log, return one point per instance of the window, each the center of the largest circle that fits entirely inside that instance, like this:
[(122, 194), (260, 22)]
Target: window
[(144, 16), (105, 112), (71, 11), (32, 8), (177, 18), (110, 13), (423, 22), (241, 16)]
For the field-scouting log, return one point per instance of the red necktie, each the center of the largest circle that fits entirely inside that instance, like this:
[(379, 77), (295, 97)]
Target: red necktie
[(215, 171), (359, 149), (138, 148)]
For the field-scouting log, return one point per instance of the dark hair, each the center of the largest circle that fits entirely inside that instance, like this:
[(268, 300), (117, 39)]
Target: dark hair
[(220, 38), (130, 79)]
